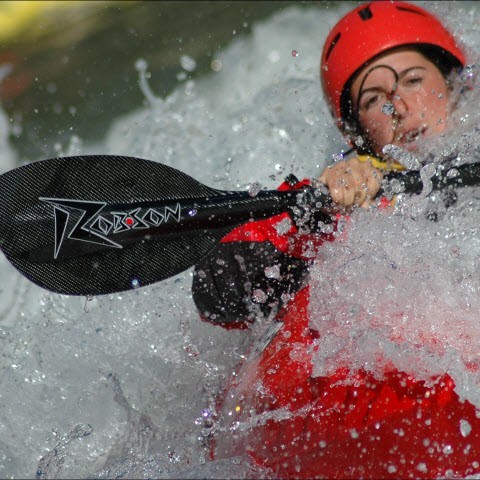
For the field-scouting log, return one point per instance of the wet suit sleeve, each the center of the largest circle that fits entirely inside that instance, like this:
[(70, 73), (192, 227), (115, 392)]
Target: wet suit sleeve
[(241, 280), (256, 269)]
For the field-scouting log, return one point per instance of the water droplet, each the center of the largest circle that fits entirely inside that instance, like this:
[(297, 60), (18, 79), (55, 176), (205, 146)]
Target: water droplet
[(181, 76), (272, 272), (283, 226), (359, 141), (468, 72), (259, 296), (392, 469), (388, 108), (422, 467), (188, 63), (141, 65), (354, 433), (465, 428), (254, 189), (285, 297), (447, 449), (216, 65)]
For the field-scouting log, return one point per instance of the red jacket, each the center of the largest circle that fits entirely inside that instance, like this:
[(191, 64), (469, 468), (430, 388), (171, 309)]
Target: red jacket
[(348, 425)]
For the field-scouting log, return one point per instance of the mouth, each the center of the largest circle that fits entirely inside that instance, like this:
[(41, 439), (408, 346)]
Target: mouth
[(413, 135)]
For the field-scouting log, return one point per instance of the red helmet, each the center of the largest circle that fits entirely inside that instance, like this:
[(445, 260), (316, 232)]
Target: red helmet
[(371, 29)]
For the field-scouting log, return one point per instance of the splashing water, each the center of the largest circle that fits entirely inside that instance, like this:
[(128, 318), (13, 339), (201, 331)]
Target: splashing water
[(402, 291), (402, 288), (116, 384)]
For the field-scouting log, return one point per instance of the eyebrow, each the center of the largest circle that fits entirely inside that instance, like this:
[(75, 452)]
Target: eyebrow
[(401, 75)]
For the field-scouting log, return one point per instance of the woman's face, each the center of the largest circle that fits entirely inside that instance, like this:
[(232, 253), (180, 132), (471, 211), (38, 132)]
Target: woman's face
[(400, 98)]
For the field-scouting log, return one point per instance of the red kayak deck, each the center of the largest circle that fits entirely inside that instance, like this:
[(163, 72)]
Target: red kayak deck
[(348, 425)]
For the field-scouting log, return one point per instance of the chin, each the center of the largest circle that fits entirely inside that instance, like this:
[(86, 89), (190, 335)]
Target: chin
[(411, 147)]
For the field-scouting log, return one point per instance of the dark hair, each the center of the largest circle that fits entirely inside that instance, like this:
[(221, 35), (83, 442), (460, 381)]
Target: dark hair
[(443, 60)]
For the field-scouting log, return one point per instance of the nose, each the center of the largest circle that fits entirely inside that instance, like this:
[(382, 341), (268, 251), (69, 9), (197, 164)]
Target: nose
[(399, 104)]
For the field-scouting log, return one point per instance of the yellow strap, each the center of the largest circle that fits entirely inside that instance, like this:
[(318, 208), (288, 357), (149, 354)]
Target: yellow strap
[(380, 164)]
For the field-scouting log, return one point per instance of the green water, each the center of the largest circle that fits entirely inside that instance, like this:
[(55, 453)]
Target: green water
[(81, 72)]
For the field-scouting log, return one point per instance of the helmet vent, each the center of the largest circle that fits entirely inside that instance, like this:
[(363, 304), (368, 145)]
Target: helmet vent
[(334, 41), (365, 13)]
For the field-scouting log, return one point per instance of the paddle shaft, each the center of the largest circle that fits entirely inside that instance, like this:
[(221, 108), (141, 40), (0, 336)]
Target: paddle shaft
[(93, 225), (411, 181), (180, 218)]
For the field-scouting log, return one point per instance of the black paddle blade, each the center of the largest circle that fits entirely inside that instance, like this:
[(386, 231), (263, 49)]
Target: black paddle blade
[(100, 224)]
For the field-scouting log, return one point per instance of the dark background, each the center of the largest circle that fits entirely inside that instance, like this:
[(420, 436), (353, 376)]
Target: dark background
[(74, 65)]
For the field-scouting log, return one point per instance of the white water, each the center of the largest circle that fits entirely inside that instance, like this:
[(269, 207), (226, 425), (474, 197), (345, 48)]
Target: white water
[(117, 384)]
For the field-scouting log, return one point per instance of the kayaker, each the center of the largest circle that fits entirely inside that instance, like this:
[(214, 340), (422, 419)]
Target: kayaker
[(386, 71), (386, 82)]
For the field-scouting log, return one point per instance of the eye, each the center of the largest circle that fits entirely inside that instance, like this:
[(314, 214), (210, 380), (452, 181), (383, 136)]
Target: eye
[(371, 101), (414, 81)]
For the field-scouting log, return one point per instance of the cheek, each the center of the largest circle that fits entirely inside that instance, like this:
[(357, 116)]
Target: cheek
[(377, 126), (433, 102), (434, 113)]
